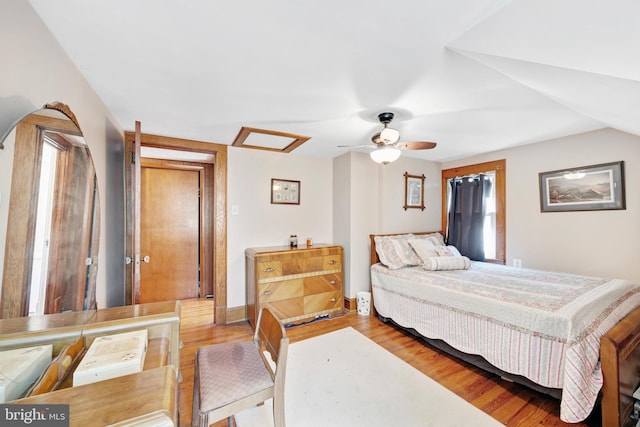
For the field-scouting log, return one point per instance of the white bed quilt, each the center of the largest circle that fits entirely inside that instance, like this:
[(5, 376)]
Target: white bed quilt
[(542, 325)]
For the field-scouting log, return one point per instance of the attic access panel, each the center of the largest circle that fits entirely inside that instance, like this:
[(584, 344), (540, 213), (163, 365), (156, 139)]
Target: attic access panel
[(270, 140)]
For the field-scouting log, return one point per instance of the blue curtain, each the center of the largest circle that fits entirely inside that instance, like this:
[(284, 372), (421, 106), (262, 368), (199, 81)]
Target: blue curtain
[(466, 215)]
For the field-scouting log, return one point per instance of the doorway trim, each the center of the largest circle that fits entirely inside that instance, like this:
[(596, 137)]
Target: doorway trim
[(216, 199)]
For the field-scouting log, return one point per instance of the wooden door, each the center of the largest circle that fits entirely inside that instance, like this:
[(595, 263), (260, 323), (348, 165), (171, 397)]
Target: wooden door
[(169, 232)]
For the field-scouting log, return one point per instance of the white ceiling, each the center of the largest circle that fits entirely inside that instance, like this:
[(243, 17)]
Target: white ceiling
[(472, 75)]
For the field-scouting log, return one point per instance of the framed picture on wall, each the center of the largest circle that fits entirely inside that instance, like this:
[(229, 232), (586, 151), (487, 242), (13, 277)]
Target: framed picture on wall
[(413, 191), (285, 192), (587, 188)]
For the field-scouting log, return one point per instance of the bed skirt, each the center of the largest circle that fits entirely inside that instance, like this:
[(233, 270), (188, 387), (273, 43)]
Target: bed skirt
[(476, 360)]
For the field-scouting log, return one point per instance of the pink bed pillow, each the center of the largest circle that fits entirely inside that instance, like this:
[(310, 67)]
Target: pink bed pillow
[(449, 250)]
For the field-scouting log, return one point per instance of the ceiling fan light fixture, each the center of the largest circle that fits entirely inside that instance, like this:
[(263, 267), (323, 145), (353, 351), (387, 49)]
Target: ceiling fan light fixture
[(389, 135), (385, 155)]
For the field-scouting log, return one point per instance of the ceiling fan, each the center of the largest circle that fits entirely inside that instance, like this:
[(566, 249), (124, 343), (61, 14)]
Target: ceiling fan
[(387, 142)]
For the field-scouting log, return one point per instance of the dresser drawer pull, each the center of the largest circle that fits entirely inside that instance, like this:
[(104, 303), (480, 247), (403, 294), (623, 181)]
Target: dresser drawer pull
[(333, 261), (333, 282), (334, 299), (268, 270), (266, 293)]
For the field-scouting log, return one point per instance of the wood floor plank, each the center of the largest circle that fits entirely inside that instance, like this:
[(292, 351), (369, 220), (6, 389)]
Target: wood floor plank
[(509, 403)]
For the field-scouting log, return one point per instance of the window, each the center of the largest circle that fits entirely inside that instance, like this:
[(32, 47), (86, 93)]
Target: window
[(495, 224), (490, 220)]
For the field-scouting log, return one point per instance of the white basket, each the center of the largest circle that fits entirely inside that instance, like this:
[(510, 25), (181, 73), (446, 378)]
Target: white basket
[(364, 303)]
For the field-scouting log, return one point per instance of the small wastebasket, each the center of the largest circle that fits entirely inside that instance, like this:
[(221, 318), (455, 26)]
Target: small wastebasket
[(363, 300)]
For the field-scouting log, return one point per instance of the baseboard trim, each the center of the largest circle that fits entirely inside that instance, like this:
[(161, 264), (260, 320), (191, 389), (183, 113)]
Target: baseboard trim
[(236, 314), (350, 304)]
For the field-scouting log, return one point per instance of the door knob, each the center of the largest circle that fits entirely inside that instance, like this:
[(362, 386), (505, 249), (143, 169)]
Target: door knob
[(146, 259)]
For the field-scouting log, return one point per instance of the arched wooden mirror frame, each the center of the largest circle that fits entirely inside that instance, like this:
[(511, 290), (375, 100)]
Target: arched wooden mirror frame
[(74, 220)]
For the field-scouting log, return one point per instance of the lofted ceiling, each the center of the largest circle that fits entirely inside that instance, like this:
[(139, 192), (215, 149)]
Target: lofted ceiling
[(472, 75)]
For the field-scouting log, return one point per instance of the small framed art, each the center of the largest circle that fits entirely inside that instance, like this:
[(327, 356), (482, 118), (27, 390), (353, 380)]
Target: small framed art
[(285, 192), (587, 188), (413, 191)]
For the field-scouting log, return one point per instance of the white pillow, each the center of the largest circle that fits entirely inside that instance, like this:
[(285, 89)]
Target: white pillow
[(425, 248), (405, 251), (436, 238), (447, 263)]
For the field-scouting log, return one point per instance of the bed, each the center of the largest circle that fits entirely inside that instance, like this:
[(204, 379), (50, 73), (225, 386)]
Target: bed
[(573, 337)]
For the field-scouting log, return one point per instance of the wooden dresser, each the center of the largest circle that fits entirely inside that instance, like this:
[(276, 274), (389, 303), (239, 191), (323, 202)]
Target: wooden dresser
[(298, 284), (115, 401)]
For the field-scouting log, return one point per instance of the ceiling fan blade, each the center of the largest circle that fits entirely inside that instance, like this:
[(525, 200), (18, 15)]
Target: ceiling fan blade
[(416, 145), (357, 146)]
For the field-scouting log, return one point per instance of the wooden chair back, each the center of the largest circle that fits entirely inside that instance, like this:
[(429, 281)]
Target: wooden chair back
[(270, 336)]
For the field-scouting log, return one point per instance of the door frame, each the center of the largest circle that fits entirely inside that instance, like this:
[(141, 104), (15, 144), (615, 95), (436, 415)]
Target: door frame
[(215, 224)]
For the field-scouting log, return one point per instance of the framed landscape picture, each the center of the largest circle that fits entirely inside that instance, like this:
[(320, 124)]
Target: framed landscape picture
[(587, 188)]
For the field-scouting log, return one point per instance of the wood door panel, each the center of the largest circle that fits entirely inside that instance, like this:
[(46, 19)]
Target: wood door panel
[(169, 234)]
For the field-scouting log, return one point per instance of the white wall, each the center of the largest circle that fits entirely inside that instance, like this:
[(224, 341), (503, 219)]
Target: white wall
[(342, 211), (395, 219), (364, 216), (37, 71), (598, 243), (260, 223), (369, 199)]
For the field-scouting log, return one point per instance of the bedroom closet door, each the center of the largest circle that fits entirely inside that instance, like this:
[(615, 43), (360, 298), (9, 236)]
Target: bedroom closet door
[(169, 231)]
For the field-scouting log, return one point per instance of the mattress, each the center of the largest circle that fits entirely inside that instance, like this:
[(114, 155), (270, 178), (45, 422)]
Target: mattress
[(545, 326)]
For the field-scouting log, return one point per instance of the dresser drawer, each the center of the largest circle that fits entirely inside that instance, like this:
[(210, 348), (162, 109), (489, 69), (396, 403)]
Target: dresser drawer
[(300, 265), (322, 302), (332, 262), (268, 269), (285, 309), (324, 283), (280, 290)]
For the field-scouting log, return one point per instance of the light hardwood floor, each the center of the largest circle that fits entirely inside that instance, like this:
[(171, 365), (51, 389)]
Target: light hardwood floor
[(509, 403)]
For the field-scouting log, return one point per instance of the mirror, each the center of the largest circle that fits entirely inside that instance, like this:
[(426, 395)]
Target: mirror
[(49, 209)]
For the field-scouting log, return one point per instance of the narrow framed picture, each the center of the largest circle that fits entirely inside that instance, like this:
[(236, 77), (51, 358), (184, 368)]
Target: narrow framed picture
[(413, 191), (285, 192), (587, 188)]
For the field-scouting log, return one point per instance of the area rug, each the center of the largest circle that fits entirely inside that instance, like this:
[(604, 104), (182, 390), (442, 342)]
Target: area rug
[(344, 379)]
